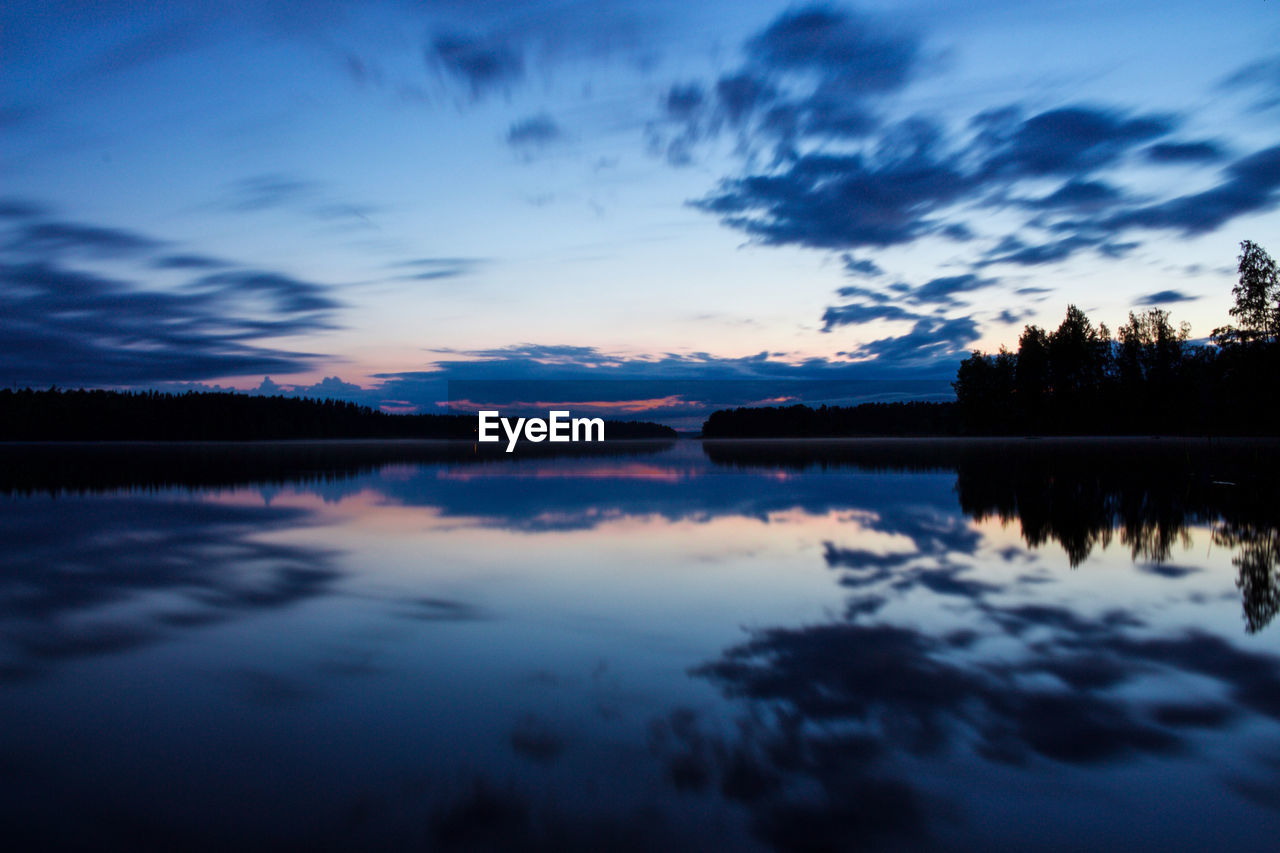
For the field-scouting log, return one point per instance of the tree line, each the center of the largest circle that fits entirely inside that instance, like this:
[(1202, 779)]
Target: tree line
[(101, 415), (799, 421), (1148, 378)]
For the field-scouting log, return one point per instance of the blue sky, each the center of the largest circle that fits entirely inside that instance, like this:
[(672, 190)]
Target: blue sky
[(366, 199)]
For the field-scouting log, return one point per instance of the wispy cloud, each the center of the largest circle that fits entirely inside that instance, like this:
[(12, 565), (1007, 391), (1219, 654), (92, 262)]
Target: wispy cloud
[(73, 325)]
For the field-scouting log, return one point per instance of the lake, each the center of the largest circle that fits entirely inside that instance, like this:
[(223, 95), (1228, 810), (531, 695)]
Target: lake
[(787, 645)]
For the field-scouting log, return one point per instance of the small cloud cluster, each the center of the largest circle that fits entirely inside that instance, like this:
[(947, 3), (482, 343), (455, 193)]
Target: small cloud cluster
[(1164, 297), (534, 133), (813, 73), (483, 64), (933, 338)]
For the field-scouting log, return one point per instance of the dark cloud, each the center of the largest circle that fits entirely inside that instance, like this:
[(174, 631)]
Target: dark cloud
[(1071, 141), (69, 327), (282, 295), (483, 64), (1012, 250), (844, 201), (861, 266), (831, 118), (67, 237), (76, 326), (817, 73), (682, 124), (957, 231), (878, 305), (1078, 194), (931, 340), (849, 52), (682, 388), (1251, 184), (845, 315), (739, 95), (188, 262), (1184, 152), (900, 182), (1164, 297), (942, 291), (555, 362), (814, 73), (17, 208), (852, 291), (537, 352), (683, 102), (535, 131), (900, 189)]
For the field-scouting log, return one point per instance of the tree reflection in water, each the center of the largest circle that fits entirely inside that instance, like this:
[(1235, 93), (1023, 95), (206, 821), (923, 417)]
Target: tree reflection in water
[(1082, 493), (1258, 562)]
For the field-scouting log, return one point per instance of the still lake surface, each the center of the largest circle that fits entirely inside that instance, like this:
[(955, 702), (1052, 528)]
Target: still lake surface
[(730, 645)]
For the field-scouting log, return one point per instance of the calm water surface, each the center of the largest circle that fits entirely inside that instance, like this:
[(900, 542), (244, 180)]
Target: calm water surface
[(790, 645)]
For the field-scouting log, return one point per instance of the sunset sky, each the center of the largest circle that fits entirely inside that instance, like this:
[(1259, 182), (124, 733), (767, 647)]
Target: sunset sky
[(398, 193)]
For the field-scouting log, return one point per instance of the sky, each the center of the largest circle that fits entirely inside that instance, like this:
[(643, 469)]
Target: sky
[(368, 200)]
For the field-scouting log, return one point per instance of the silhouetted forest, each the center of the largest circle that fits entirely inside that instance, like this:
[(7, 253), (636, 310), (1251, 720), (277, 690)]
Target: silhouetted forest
[(869, 419), (1080, 379), (57, 415)]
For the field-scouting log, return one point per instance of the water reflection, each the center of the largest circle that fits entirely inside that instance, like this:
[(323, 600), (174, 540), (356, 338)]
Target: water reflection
[(84, 577), (87, 467), (954, 645), (852, 708), (1082, 493), (1258, 561)]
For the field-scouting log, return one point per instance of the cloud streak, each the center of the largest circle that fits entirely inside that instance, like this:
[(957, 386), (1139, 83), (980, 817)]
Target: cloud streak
[(73, 325)]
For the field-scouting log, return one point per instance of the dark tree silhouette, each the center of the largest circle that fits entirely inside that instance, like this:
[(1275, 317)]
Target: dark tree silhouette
[(1078, 361), (1031, 376), (910, 418), (1257, 296)]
